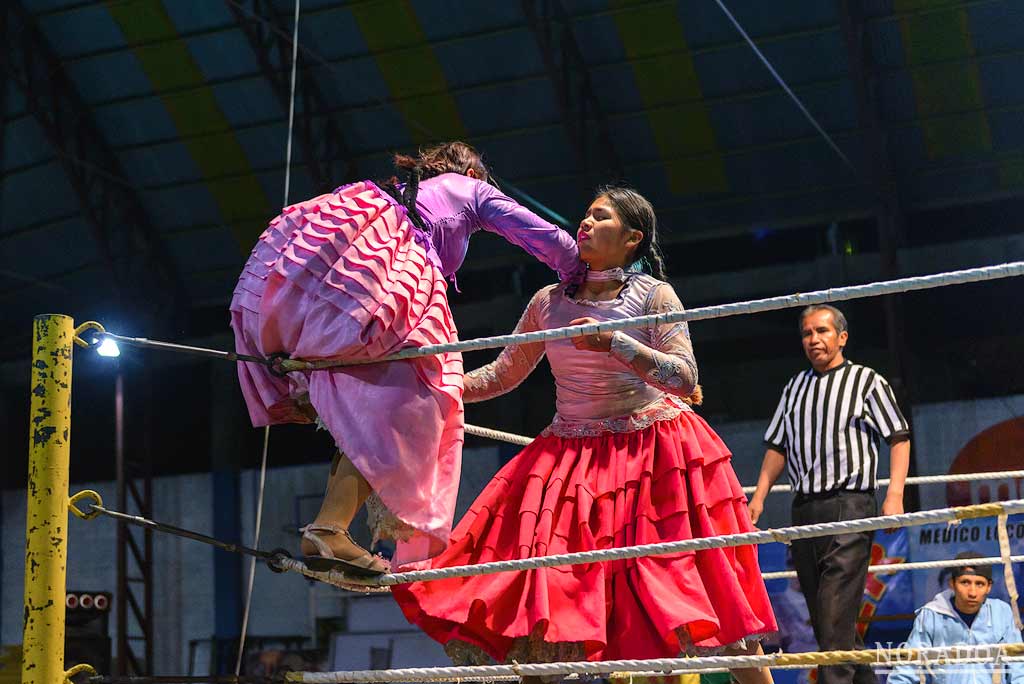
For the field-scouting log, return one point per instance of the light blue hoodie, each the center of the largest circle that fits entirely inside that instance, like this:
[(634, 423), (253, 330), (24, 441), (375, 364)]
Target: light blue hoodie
[(938, 624)]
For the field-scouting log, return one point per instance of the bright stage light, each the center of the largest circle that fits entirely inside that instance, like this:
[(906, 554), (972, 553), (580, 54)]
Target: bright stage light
[(108, 347)]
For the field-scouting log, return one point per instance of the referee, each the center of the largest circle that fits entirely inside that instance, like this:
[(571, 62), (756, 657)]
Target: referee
[(825, 433)]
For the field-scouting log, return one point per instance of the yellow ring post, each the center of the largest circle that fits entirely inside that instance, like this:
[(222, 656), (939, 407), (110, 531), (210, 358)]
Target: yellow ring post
[(48, 459)]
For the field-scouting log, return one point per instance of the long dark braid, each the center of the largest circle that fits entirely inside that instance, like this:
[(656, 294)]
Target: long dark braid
[(412, 188), (657, 261), (452, 157)]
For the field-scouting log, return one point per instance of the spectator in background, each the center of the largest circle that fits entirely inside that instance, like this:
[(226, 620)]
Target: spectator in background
[(964, 615)]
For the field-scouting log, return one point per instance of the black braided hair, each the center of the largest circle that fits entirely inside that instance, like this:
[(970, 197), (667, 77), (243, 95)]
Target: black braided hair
[(412, 188), (407, 197)]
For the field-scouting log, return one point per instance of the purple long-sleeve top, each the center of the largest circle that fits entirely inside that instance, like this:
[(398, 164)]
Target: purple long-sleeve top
[(456, 206)]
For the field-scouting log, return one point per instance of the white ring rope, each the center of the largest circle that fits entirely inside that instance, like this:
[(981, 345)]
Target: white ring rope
[(972, 275), (784, 534), (930, 664), (926, 656), (498, 435), (715, 670), (893, 568), (882, 569), (923, 479)]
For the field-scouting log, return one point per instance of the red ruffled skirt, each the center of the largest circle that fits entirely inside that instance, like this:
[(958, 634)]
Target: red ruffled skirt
[(670, 481)]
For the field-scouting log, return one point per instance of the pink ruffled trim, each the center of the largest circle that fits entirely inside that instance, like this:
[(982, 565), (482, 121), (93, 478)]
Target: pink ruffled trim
[(665, 408), (347, 276)]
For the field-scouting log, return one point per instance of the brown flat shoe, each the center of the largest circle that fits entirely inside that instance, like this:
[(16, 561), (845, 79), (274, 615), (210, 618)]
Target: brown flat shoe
[(365, 565)]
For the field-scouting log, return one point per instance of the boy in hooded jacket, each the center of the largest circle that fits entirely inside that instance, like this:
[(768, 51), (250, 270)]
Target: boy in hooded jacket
[(965, 616)]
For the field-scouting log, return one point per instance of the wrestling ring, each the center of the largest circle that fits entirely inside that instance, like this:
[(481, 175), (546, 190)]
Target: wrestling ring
[(55, 337)]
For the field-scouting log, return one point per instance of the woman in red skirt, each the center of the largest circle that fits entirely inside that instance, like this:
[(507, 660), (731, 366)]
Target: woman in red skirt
[(625, 461)]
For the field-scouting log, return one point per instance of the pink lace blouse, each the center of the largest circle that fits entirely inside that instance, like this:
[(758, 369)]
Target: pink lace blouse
[(641, 380)]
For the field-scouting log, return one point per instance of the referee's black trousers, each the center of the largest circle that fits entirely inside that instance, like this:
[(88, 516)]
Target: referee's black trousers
[(832, 572)]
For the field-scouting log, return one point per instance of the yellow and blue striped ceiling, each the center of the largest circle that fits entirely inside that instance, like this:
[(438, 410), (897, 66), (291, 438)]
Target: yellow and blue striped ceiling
[(698, 123)]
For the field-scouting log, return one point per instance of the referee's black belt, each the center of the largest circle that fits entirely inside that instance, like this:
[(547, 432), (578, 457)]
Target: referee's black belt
[(802, 497)]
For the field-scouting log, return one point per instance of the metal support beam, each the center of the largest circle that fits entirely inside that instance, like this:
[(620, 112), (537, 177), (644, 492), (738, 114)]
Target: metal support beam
[(134, 562), (128, 241), (318, 136), (582, 116), (889, 214), (881, 172), (3, 112), (3, 137)]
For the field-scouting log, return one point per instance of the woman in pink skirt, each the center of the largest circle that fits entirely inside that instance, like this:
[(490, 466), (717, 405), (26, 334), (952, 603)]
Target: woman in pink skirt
[(626, 461), (359, 274)]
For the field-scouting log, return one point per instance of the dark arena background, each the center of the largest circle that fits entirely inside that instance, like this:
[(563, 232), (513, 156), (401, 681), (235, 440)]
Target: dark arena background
[(786, 147)]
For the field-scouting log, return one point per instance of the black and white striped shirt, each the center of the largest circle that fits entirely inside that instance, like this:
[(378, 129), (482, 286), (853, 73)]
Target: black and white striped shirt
[(828, 426)]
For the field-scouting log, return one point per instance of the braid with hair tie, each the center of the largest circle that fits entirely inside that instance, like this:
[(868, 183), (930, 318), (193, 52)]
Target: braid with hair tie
[(390, 186), (649, 260), (656, 262), (412, 188)]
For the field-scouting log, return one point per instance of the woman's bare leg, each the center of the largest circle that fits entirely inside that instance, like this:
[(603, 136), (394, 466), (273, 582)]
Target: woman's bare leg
[(347, 491), (750, 675)]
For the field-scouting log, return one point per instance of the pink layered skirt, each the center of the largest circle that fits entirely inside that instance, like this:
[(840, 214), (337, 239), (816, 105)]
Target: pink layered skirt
[(672, 480), (347, 276)]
